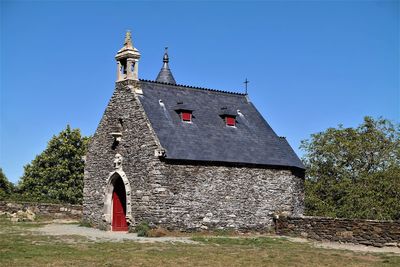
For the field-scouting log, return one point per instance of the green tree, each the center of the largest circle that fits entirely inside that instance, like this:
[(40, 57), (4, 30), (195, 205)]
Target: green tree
[(354, 172), (56, 174), (6, 188)]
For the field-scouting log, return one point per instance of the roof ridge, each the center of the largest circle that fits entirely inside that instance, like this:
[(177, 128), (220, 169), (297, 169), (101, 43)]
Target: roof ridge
[(195, 87)]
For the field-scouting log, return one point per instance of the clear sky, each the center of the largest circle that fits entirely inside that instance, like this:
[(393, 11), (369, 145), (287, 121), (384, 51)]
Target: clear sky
[(311, 64)]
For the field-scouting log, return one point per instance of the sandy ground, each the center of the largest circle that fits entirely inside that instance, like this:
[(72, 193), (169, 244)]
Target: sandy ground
[(346, 246), (98, 235)]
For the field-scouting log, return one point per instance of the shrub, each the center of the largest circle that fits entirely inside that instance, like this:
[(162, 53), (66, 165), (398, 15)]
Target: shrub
[(56, 174), (354, 172), (142, 229), (6, 187)]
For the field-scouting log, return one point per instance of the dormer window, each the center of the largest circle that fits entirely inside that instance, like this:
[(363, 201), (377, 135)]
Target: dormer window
[(230, 121), (229, 116), (186, 116), (184, 110)]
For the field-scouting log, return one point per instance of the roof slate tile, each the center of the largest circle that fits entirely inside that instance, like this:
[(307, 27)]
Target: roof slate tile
[(207, 138)]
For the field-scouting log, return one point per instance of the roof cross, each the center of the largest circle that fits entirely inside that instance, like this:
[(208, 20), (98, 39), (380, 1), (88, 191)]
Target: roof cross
[(245, 84)]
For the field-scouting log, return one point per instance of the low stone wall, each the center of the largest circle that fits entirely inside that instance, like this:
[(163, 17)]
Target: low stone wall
[(54, 211), (357, 231)]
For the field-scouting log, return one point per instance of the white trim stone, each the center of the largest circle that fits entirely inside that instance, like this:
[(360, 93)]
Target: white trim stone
[(107, 211)]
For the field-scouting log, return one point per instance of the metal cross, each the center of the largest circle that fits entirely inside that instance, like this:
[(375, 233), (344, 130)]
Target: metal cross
[(245, 84)]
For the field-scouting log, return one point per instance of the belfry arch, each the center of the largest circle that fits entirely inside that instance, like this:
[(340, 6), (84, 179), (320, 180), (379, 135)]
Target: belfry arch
[(108, 198)]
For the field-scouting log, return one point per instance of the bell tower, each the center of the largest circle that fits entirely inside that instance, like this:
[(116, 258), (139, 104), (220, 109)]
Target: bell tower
[(127, 60)]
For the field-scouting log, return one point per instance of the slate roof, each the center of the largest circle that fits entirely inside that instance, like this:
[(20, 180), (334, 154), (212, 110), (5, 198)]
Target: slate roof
[(207, 138)]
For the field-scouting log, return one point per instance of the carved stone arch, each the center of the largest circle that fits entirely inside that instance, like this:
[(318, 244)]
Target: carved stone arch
[(107, 210)]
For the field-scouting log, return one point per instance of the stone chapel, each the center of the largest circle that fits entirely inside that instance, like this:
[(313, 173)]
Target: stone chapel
[(185, 158)]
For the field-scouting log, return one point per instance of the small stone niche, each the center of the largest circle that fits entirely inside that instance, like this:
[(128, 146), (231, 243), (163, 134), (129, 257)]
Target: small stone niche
[(117, 136)]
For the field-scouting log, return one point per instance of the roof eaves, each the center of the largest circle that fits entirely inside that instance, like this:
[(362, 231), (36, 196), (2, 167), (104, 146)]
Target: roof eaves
[(229, 163)]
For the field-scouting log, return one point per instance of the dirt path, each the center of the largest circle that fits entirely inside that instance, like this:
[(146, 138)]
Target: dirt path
[(353, 247), (98, 235), (345, 246)]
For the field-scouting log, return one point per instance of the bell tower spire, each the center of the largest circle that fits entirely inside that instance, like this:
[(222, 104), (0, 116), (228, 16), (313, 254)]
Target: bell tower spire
[(165, 74), (127, 60)]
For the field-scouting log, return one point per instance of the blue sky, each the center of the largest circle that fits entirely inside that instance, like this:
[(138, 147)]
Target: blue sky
[(311, 64)]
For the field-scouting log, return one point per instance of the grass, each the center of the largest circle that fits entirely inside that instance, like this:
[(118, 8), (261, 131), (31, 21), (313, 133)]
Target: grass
[(19, 246)]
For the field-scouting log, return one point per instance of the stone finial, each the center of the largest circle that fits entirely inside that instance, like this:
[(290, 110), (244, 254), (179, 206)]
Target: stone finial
[(166, 58), (128, 39)]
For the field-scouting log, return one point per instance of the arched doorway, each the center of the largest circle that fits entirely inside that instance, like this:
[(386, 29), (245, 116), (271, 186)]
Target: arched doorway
[(117, 203), (119, 207)]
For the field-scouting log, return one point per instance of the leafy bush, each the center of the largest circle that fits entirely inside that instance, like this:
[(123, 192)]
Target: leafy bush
[(142, 229), (56, 175), (6, 187), (354, 172)]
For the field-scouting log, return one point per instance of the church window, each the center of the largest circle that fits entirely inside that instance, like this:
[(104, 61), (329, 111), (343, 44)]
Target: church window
[(230, 121)]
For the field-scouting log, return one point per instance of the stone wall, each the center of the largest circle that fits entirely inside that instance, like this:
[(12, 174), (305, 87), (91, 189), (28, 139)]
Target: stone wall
[(194, 197), (178, 195), (54, 211), (123, 113), (356, 231)]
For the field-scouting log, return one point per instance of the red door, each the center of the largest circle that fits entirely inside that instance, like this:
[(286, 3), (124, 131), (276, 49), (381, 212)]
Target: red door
[(119, 207)]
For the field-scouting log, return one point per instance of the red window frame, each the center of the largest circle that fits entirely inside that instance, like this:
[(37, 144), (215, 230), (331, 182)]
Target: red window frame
[(230, 121), (186, 116)]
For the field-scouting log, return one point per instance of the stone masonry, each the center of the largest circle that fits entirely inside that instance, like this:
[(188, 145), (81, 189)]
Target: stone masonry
[(355, 231), (45, 210), (178, 195)]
